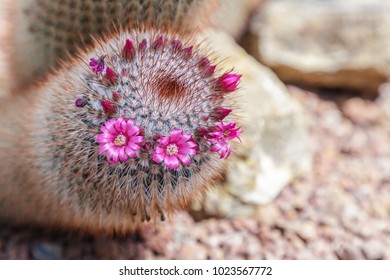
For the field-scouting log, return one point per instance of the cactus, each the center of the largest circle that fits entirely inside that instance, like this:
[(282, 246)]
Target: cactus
[(128, 132), (43, 31)]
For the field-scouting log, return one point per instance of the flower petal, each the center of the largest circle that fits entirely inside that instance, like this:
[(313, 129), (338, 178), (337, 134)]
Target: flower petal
[(136, 139), (157, 157), (130, 152), (105, 138), (159, 150), (184, 159), (164, 141), (122, 154), (133, 146), (215, 148), (184, 139), (133, 130), (105, 147), (175, 135), (187, 151), (112, 155), (171, 162), (110, 126)]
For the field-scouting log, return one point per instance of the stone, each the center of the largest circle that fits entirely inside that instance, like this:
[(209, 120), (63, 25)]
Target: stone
[(332, 44), (238, 14), (275, 146), (192, 251), (349, 252), (373, 249), (363, 112), (4, 47), (383, 99), (47, 251)]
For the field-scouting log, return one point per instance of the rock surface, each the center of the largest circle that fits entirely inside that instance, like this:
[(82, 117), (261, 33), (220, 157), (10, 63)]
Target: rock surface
[(4, 47), (333, 44), (230, 16), (275, 147)]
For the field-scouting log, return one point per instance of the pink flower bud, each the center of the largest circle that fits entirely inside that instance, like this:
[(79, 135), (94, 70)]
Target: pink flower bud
[(81, 102), (128, 51), (221, 113), (142, 45), (158, 43), (229, 82), (108, 107), (111, 76)]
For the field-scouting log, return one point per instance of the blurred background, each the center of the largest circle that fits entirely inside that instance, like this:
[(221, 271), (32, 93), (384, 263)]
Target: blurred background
[(312, 177)]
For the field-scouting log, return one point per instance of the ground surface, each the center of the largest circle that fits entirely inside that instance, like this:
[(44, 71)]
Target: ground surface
[(339, 211)]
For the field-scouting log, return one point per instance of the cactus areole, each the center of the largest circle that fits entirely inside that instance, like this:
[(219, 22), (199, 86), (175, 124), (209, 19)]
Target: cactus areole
[(151, 127)]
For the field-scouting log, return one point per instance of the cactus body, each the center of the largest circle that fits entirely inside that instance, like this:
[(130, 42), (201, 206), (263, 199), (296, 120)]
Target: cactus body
[(128, 132)]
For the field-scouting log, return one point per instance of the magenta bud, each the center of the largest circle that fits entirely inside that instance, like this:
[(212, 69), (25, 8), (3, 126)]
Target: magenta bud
[(187, 52), (142, 45), (176, 44), (128, 51), (81, 102), (221, 113), (108, 107), (158, 43), (111, 76), (201, 132), (229, 82), (116, 96), (203, 62), (210, 70), (146, 145)]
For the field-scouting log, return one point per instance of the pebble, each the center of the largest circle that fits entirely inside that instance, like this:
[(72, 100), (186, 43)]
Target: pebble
[(47, 251), (192, 251), (373, 249)]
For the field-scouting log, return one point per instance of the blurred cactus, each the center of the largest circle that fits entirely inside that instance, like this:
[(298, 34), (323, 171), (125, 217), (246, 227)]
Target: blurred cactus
[(41, 32)]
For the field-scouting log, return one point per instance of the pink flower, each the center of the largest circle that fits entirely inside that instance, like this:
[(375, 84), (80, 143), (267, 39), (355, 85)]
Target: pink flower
[(174, 149), (219, 137), (97, 64), (120, 139), (229, 82)]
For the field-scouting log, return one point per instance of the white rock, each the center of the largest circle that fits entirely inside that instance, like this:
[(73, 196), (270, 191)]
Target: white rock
[(324, 43), (230, 16), (275, 146)]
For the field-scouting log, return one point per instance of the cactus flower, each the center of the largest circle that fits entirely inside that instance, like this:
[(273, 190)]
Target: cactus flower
[(97, 65), (120, 139), (174, 149), (219, 136)]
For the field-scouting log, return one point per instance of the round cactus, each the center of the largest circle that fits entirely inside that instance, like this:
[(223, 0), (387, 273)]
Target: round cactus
[(131, 130)]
